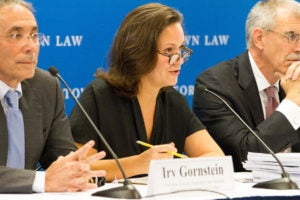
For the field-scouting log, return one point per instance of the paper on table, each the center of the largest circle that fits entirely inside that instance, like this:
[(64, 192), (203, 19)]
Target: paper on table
[(264, 167)]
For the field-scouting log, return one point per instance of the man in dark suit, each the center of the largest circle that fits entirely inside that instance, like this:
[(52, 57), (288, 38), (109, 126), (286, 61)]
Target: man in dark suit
[(272, 59), (46, 131)]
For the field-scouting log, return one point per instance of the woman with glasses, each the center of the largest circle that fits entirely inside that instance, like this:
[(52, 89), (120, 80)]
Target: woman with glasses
[(135, 99)]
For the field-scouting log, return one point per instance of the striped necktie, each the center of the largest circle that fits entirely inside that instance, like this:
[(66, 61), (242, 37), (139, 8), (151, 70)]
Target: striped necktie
[(272, 102), (15, 127)]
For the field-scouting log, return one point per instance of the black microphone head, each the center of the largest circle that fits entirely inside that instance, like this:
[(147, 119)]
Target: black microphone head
[(53, 71)]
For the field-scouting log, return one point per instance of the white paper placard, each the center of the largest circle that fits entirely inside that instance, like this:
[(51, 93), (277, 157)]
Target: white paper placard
[(211, 173)]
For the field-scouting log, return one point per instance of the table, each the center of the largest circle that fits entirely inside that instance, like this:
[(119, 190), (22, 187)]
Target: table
[(242, 190)]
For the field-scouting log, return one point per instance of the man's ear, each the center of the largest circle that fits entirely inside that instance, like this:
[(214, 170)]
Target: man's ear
[(258, 37)]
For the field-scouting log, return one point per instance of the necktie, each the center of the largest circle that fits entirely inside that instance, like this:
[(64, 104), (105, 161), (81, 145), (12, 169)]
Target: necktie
[(15, 127), (272, 101)]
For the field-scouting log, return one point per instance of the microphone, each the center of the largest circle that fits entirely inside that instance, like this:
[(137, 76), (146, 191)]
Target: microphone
[(127, 191), (283, 183)]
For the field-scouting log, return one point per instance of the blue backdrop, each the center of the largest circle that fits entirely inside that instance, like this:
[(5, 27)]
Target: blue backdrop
[(79, 34)]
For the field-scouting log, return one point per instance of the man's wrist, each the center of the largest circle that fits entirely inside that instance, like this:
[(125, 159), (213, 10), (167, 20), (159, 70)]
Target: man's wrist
[(291, 111), (39, 182)]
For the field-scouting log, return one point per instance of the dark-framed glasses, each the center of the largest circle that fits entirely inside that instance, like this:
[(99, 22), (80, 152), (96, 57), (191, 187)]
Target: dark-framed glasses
[(291, 36), (19, 38), (185, 54)]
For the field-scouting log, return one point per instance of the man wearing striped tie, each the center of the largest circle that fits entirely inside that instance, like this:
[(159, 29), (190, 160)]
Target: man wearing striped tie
[(254, 83), (33, 126)]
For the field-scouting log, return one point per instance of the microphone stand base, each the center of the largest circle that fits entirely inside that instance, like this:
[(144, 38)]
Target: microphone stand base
[(123, 192), (277, 184)]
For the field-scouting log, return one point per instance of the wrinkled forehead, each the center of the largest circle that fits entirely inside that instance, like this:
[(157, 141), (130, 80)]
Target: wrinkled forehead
[(287, 20), (14, 8), (16, 15)]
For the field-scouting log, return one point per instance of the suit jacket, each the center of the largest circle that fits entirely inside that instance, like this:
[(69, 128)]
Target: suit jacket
[(234, 81), (47, 131)]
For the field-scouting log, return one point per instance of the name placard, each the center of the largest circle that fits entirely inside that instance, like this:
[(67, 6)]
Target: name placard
[(211, 173)]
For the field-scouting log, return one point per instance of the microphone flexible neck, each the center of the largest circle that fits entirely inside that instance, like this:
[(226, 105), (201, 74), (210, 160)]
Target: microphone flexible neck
[(127, 191), (126, 181), (284, 173)]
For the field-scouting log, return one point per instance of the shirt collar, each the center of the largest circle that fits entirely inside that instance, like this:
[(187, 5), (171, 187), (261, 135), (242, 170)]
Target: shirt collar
[(4, 88), (261, 81)]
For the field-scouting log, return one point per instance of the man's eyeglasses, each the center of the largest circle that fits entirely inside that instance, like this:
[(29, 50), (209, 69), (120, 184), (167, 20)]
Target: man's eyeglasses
[(291, 36), (185, 54), (18, 38)]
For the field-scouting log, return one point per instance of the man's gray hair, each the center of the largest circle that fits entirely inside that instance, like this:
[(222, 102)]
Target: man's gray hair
[(263, 15), (20, 2)]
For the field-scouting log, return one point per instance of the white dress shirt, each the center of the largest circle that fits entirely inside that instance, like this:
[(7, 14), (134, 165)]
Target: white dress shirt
[(287, 107)]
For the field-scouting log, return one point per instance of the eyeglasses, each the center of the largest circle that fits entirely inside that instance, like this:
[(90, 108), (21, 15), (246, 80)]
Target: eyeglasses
[(18, 38), (185, 54), (291, 36)]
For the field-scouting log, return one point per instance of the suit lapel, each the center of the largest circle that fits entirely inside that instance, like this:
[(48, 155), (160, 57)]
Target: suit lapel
[(32, 114), (281, 93), (249, 86)]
